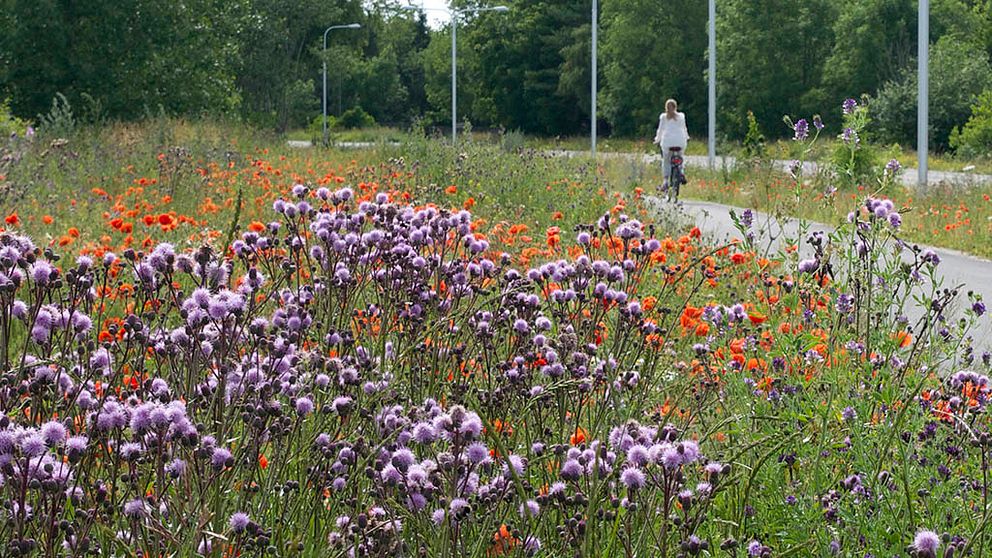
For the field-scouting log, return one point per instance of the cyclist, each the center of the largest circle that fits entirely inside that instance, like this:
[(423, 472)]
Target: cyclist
[(672, 136)]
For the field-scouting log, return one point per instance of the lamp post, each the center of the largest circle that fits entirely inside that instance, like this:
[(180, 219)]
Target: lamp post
[(454, 14), (328, 30), (711, 147), (595, 75), (923, 92)]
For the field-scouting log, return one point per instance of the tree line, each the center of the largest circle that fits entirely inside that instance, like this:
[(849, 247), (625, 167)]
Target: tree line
[(527, 70)]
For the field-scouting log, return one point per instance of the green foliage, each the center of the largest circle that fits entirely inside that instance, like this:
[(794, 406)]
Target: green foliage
[(10, 124), (868, 54), (512, 141), (854, 160), (959, 72), (315, 130), (527, 70), (754, 140), (651, 54), (975, 138), (128, 55), (354, 118), (262, 61), (60, 121), (771, 57)]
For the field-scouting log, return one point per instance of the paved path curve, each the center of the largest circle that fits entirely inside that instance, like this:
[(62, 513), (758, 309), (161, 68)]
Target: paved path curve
[(957, 268), (908, 176)]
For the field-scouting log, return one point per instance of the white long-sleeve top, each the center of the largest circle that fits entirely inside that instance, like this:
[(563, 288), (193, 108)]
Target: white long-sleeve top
[(671, 133)]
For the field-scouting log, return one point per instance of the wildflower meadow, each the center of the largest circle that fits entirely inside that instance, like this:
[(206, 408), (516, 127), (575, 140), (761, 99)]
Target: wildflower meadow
[(213, 345)]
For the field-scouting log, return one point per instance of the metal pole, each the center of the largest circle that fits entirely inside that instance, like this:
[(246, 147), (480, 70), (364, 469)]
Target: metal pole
[(454, 77), (324, 119), (923, 95), (712, 86), (595, 72), (324, 96)]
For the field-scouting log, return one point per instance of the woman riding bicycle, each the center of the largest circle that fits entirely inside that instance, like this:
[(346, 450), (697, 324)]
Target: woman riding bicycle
[(672, 132)]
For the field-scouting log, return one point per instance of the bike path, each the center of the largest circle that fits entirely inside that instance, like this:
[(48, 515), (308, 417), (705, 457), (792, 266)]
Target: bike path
[(908, 177)]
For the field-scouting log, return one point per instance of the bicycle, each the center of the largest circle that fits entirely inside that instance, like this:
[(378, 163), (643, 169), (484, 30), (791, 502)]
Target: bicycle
[(676, 174)]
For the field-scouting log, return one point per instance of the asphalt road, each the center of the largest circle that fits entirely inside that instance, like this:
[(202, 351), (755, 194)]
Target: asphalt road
[(907, 177)]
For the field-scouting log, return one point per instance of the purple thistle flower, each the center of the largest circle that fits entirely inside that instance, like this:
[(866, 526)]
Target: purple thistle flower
[(53, 432), (801, 130), (41, 272), (929, 256), (239, 522), (638, 455), (176, 468), (424, 433), (342, 405), (438, 516), (895, 220), (571, 470), (403, 458), (76, 444), (808, 266), (220, 458), (978, 308), (477, 453), (33, 445), (530, 509), (458, 507), (304, 406), (633, 478), (849, 106), (671, 458), (926, 543), (134, 508)]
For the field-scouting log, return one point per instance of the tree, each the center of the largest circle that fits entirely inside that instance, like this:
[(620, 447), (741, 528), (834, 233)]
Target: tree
[(126, 56), (280, 67), (959, 73), (876, 40), (518, 72), (770, 60), (975, 138), (651, 54)]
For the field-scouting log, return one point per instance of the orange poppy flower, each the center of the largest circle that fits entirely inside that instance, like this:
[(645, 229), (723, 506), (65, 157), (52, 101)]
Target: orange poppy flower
[(579, 437)]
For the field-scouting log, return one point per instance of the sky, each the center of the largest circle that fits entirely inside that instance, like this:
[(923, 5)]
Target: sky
[(435, 18)]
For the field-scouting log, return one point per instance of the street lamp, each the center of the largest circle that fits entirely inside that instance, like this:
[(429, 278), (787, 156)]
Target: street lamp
[(595, 73), (454, 13), (328, 30), (711, 104), (923, 93)]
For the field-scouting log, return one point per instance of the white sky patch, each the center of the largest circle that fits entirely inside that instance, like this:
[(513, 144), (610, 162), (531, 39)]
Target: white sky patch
[(435, 18)]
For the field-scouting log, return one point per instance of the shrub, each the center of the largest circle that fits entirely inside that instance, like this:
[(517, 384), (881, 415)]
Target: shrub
[(754, 140), (356, 117), (854, 159), (512, 141), (60, 121), (975, 138), (10, 124), (959, 72), (316, 128)]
